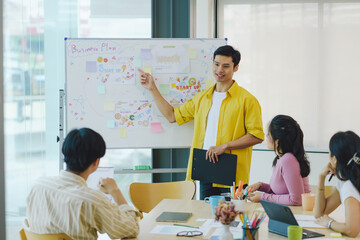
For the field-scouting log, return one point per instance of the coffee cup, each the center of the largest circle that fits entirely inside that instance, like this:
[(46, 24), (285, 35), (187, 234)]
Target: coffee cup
[(214, 201), (308, 201)]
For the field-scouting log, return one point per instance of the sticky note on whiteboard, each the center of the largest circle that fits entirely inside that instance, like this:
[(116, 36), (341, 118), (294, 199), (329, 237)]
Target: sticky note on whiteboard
[(145, 53), (191, 53), (137, 61), (90, 66), (164, 89), (122, 132), (101, 88), (147, 69), (156, 127), (110, 123), (109, 105), (209, 83)]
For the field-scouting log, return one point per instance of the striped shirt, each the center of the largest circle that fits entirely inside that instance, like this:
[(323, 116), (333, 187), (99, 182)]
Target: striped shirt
[(64, 204)]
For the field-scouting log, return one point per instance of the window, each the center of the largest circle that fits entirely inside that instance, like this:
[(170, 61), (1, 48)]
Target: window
[(34, 61), (300, 59)]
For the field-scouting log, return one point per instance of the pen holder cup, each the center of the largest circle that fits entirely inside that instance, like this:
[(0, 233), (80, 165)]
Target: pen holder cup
[(250, 233)]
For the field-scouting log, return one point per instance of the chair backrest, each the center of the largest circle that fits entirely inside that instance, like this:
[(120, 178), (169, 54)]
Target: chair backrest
[(145, 196), (27, 235)]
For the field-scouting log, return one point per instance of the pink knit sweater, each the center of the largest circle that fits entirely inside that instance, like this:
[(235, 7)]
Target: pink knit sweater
[(286, 184)]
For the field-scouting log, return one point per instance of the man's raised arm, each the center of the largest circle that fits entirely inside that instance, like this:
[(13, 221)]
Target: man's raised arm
[(147, 81)]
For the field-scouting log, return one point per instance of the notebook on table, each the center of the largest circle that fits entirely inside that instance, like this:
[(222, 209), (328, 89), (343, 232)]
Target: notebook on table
[(280, 217), (221, 172), (173, 217)]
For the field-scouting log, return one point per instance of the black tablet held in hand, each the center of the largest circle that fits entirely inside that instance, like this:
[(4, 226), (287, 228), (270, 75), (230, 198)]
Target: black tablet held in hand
[(221, 172)]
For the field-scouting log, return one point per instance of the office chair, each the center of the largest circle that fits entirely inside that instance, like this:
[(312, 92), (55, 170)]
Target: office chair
[(145, 196), (27, 235)]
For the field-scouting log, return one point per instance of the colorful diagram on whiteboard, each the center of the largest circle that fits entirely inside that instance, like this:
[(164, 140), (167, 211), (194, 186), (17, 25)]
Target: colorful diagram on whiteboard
[(77, 108), (184, 87), (112, 69), (135, 113)]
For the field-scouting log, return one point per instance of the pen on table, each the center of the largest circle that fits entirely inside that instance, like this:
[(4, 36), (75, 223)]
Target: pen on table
[(331, 177), (181, 225)]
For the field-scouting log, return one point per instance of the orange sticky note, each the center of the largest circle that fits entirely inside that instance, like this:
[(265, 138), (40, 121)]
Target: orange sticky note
[(155, 127)]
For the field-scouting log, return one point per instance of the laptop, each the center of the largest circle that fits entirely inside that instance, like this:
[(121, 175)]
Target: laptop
[(280, 217)]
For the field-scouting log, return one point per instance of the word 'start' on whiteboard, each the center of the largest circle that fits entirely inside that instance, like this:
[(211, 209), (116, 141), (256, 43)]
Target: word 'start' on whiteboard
[(103, 90)]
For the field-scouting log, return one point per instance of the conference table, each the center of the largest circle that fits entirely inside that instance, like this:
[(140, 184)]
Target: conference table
[(202, 210)]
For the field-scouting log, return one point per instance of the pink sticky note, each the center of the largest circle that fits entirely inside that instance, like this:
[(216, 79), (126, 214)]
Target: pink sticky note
[(156, 127)]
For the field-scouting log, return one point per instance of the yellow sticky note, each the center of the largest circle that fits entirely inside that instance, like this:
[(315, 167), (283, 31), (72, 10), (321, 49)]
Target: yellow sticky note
[(191, 53), (147, 69), (209, 83), (173, 85), (109, 106), (335, 235), (122, 132)]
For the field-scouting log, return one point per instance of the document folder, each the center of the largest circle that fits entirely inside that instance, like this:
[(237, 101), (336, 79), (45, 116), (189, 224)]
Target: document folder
[(221, 172)]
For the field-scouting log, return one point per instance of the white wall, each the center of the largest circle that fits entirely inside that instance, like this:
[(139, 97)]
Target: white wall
[(261, 166)]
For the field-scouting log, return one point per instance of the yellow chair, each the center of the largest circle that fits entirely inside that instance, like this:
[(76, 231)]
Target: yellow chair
[(145, 196), (26, 235)]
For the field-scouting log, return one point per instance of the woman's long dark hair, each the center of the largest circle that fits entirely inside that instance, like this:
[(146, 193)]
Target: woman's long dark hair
[(290, 140), (345, 146)]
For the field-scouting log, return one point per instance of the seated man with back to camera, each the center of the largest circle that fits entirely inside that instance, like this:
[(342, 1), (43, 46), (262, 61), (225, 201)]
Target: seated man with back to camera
[(65, 204)]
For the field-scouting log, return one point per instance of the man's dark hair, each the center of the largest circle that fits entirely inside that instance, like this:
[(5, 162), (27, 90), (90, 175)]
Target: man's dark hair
[(81, 148), (229, 51)]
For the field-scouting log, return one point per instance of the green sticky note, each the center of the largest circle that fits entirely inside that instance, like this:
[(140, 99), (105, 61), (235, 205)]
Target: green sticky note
[(101, 88), (110, 123), (164, 89), (137, 61)]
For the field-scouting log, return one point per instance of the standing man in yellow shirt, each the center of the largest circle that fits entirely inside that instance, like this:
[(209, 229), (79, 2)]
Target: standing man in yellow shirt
[(227, 118)]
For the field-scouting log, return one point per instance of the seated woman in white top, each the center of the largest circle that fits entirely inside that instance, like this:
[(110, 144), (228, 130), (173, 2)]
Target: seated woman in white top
[(345, 165)]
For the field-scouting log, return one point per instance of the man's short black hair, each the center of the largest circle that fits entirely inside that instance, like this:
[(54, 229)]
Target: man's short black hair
[(81, 148), (229, 51)]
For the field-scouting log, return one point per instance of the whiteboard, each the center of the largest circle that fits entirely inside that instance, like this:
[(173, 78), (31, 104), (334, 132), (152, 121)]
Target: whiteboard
[(103, 90)]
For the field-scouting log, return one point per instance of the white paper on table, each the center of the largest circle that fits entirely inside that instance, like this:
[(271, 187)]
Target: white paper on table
[(307, 221), (237, 233), (101, 172), (211, 223)]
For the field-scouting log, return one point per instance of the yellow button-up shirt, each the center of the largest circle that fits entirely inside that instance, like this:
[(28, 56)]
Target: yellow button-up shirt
[(240, 113)]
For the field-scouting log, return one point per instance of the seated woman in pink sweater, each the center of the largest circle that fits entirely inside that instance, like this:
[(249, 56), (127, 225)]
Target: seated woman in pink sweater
[(291, 167)]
